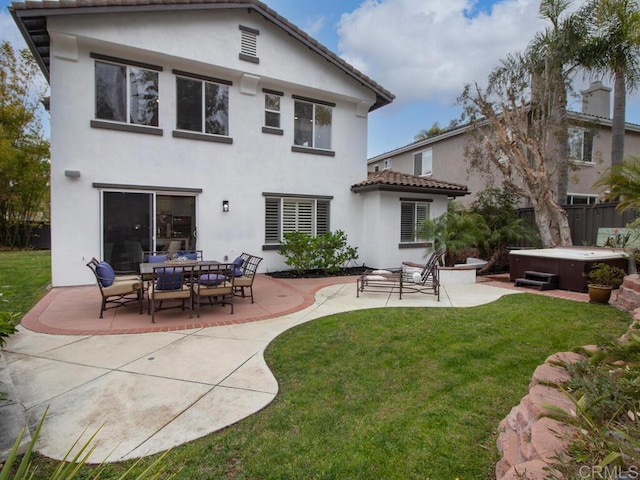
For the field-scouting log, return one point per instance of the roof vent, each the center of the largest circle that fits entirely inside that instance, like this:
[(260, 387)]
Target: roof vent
[(249, 44)]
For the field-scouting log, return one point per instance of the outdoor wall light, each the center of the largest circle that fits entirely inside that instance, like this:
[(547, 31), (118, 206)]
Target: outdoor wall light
[(72, 173), (225, 205)]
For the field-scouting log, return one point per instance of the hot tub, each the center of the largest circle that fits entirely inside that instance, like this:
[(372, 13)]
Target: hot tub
[(571, 264)]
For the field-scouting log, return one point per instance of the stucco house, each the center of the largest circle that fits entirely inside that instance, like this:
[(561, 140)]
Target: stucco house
[(214, 125), (442, 155)]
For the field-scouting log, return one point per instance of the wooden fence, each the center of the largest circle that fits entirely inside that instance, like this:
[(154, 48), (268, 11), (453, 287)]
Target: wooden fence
[(585, 220)]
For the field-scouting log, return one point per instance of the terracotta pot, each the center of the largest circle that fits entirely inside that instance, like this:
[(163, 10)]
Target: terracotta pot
[(599, 293)]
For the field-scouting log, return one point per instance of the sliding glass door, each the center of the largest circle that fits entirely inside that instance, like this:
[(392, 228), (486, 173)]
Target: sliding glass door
[(134, 223)]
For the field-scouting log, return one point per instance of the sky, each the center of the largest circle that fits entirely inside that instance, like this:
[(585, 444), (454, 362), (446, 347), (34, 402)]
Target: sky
[(422, 51)]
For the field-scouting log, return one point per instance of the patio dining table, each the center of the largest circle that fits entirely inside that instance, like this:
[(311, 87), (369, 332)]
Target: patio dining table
[(146, 268)]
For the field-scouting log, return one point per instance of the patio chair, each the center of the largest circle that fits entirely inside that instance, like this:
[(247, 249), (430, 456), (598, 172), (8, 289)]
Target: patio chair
[(422, 278), (170, 283), (116, 290), (247, 270), (214, 282)]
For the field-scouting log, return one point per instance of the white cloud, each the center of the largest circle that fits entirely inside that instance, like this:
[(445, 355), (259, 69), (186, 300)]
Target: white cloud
[(428, 50)]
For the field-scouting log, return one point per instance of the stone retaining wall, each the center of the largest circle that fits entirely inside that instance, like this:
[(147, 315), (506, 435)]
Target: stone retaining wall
[(528, 439)]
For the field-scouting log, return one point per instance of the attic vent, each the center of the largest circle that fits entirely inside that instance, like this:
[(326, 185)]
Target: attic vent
[(249, 44)]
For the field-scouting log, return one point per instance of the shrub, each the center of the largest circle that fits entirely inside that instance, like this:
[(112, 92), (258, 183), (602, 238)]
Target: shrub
[(328, 252)]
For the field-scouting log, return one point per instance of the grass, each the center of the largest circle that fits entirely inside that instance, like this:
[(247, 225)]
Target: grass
[(24, 277), (389, 393)]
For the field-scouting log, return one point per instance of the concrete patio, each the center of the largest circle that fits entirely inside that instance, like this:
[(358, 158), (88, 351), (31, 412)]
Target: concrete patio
[(151, 387)]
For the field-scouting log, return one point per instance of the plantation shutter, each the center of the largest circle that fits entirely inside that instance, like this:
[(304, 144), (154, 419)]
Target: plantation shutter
[(305, 217), (407, 221), (272, 220), (422, 213), (322, 217)]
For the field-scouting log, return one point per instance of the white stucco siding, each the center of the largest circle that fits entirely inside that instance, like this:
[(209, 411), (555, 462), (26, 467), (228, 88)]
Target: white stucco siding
[(239, 172), (210, 39), (381, 228)]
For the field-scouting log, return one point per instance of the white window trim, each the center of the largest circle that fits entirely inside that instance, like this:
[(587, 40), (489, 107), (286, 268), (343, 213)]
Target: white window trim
[(571, 196), (581, 160), (100, 122), (283, 199), (429, 153), (416, 219)]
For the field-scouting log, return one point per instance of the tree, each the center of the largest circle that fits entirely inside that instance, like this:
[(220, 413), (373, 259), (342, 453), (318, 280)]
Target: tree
[(434, 131), (24, 153), (622, 183), (614, 50), (519, 122), (515, 136), (506, 228), (555, 54), (454, 230)]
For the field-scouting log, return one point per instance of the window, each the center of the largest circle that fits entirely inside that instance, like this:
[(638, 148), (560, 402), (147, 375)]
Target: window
[(202, 106), (577, 199), (271, 110), (126, 93), (291, 214), (376, 168), (312, 124), (412, 214), (580, 145), (422, 163), (387, 165)]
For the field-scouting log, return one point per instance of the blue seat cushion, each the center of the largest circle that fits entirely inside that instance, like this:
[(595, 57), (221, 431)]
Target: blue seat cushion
[(238, 262), (169, 279), (238, 272), (106, 275), (212, 279), (157, 258), (191, 256)]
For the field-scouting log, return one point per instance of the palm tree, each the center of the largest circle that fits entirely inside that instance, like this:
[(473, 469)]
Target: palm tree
[(622, 182), (454, 230), (615, 52), (554, 55)]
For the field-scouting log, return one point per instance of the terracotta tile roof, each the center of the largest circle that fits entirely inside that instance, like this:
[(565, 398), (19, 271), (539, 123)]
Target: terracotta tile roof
[(402, 182), (31, 18)]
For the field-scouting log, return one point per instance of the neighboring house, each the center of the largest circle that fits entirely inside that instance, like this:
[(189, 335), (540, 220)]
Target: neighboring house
[(210, 125), (442, 156)]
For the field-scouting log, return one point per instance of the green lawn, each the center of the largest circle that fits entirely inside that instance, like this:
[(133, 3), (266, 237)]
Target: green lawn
[(391, 393), (24, 277)]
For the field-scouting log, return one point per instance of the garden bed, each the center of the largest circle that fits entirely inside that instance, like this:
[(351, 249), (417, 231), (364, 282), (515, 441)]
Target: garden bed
[(318, 273)]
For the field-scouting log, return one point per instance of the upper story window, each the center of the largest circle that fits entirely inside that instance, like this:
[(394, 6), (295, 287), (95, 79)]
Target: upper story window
[(580, 143), (126, 92), (580, 199), (312, 123), (202, 104), (272, 110), (423, 163), (376, 168), (285, 214), (412, 214), (387, 164)]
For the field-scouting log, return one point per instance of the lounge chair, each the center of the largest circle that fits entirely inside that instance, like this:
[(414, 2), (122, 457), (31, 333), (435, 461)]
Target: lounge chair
[(410, 278), (423, 278), (116, 290)]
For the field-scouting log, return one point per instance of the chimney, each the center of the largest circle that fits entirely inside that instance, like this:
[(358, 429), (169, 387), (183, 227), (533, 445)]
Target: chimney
[(596, 100)]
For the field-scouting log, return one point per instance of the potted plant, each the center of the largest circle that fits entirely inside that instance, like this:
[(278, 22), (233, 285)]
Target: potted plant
[(603, 278)]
